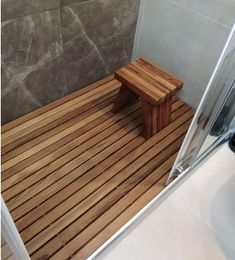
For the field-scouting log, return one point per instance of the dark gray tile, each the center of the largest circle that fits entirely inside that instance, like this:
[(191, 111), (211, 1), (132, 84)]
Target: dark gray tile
[(17, 8), (101, 43), (28, 39), (50, 54), (74, 2), (32, 74), (17, 102)]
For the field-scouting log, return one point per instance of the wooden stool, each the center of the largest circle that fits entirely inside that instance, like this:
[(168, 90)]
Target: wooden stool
[(154, 86)]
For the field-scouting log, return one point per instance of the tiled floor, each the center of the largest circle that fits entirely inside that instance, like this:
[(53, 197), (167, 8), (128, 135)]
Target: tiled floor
[(197, 221)]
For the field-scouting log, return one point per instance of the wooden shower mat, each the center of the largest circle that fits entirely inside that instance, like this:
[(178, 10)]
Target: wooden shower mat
[(73, 173)]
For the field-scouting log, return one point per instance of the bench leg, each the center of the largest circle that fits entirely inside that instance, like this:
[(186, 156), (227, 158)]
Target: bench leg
[(168, 106), (165, 113), (155, 117), (124, 97)]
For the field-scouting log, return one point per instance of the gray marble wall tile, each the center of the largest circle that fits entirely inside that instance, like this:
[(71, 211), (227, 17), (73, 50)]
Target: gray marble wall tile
[(31, 63), (216, 10), (101, 43), (183, 42), (48, 54), (17, 8), (74, 2)]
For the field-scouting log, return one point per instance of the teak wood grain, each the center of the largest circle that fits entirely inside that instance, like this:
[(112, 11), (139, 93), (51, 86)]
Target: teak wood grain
[(154, 86), (73, 172)]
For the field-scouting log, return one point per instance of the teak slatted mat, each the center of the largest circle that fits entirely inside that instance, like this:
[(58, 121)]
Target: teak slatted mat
[(74, 173)]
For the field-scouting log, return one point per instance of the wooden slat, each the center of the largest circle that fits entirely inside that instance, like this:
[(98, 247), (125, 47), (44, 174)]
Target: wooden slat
[(140, 72), (145, 82), (53, 113), (42, 209), (25, 196), (24, 173), (136, 85), (109, 230), (42, 123), (54, 138), (125, 97), (77, 196), (71, 119), (68, 191), (162, 81), (54, 104), (7, 195), (68, 171), (77, 128), (79, 176), (161, 72), (75, 159), (98, 217), (127, 171), (84, 135)]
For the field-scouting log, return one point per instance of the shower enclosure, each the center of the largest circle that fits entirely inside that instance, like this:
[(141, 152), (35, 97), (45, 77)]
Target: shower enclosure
[(213, 123), (214, 120)]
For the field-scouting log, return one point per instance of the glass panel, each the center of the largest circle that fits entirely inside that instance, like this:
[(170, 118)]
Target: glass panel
[(214, 116), (6, 253), (224, 123)]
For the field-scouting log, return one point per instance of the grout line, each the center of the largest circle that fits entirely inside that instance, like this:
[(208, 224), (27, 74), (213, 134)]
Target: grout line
[(138, 29), (29, 14), (46, 10), (199, 14), (202, 219)]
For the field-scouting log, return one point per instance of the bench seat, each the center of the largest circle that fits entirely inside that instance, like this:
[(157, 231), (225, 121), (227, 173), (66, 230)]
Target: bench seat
[(154, 86)]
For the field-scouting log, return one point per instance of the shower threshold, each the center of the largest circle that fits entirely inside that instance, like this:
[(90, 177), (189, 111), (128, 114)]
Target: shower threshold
[(73, 173)]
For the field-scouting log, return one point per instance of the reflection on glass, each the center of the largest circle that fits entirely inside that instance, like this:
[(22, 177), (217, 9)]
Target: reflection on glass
[(214, 117), (224, 122), (6, 253), (220, 92)]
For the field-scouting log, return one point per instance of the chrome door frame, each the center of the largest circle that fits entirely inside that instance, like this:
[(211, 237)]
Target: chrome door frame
[(179, 167)]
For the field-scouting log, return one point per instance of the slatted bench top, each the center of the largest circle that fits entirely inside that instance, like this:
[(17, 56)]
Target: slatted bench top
[(149, 81)]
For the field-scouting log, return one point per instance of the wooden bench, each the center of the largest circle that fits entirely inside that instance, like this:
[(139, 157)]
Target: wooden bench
[(154, 86)]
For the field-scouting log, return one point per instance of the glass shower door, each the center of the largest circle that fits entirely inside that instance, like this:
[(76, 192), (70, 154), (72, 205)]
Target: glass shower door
[(214, 118)]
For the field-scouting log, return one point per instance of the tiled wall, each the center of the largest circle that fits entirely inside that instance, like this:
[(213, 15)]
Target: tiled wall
[(53, 47), (186, 37)]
